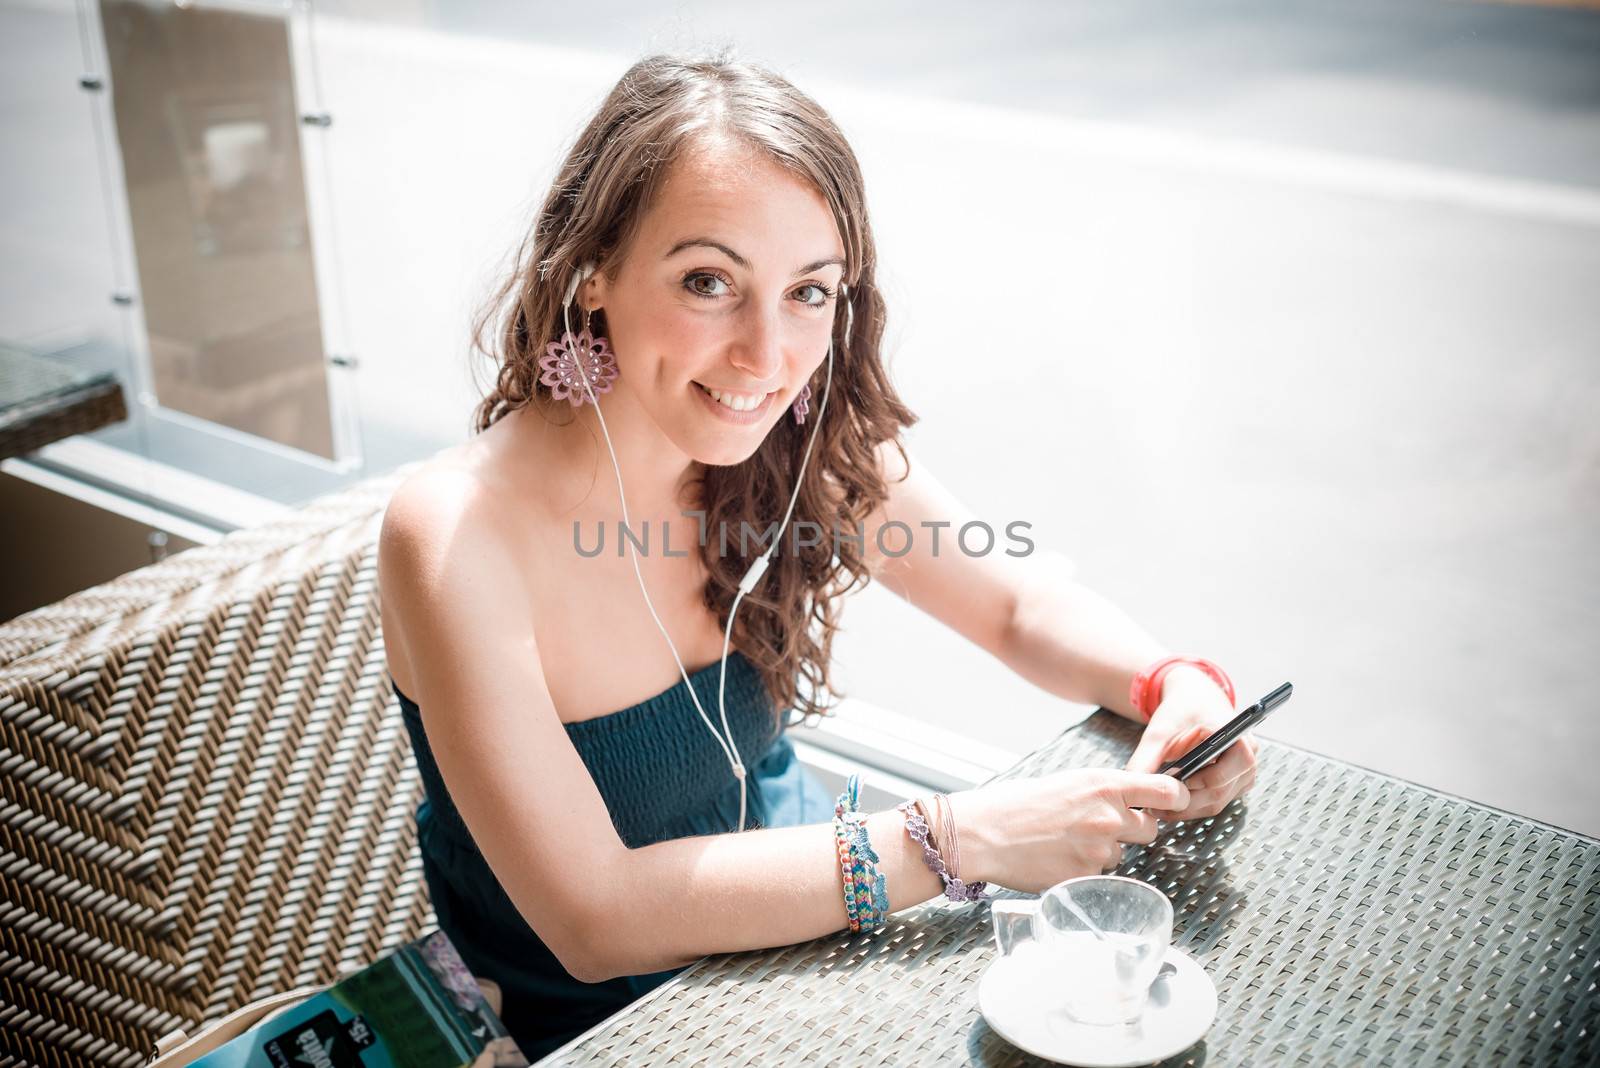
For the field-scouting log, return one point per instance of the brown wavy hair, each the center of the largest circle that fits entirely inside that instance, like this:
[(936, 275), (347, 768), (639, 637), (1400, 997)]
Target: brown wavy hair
[(604, 187)]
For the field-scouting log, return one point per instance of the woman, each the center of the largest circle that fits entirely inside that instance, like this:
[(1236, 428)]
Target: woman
[(579, 836)]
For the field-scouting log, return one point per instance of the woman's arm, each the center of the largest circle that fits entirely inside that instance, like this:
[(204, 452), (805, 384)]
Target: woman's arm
[(1071, 641), (1056, 633), (682, 899), (1027, 611)]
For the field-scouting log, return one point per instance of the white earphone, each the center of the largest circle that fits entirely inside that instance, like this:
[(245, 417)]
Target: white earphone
[(757, 568)]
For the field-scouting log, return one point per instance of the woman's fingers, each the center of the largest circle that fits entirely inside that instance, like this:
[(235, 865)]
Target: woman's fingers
[(1209, 802), (1214, 786), (1138, 826), (1222, 773), (1184, 741), (1147, 799), (1148, 790)]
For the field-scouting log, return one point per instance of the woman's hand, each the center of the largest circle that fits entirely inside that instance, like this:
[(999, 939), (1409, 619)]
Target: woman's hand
[(1192, 706), (1029, 834)]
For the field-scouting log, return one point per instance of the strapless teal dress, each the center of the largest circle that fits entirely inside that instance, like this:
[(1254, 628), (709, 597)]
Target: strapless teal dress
[(662, 776)]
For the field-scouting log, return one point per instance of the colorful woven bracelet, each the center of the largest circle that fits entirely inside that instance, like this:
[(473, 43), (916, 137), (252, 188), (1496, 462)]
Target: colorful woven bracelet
[(850, 800), (872, 892), (868, 889), (841, 840), (844, 806), (954, 888)]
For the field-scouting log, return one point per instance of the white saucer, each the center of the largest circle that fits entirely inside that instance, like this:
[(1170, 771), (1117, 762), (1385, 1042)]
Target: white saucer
[(1015, 1001)]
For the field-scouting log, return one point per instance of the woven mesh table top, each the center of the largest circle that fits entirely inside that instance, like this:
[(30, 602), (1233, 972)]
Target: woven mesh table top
[(26, 378), (44, 400), (1345, 917)]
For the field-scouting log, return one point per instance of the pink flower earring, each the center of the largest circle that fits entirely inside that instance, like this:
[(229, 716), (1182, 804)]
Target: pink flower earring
[(574, 358), (802, 404)]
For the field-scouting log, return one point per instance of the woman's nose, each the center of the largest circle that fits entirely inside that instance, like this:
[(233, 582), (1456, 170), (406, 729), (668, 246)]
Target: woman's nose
[(758, 351)]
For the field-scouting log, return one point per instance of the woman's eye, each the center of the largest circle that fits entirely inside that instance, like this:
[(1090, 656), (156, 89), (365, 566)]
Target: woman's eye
[(711, 286), (814, 296), (705, 285)]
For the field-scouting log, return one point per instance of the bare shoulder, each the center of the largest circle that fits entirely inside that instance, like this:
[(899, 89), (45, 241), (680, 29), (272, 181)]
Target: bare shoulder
[(447, 513), (442, 491), (446, 558)]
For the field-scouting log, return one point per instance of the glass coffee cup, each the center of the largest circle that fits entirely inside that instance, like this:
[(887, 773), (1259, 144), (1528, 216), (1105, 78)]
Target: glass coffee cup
[(1100, 941)]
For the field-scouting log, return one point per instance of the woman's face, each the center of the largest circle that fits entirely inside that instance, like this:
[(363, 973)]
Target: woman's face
[(729, 286)]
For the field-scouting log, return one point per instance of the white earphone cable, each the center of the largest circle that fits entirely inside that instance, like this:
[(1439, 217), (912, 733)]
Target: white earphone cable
[(728, 746)]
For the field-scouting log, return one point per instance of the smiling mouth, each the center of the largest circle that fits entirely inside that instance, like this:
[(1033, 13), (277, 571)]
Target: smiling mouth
[(738, 402)]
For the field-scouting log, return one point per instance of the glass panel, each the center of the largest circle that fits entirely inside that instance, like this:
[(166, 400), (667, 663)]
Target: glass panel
[(70, 280), (207, 124), (57, 273)]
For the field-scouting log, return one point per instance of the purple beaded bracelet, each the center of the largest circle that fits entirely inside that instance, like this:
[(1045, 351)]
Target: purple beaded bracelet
[(954, 888)]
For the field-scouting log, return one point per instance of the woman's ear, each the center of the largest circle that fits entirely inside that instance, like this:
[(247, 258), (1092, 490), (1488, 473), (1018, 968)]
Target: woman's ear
[(592, 293)]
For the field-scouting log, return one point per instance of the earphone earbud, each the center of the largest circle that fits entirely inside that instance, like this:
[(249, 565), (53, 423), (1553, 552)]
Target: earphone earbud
[(580, 276), (757, 567)]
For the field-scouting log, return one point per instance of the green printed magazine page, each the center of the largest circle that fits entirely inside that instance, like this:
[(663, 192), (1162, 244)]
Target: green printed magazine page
[(418, 1007)]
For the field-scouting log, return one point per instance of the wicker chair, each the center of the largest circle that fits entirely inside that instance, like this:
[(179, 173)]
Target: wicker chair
[(206, 795)]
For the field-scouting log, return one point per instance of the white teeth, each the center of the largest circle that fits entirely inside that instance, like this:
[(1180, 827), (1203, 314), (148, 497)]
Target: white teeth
[(736, 402)]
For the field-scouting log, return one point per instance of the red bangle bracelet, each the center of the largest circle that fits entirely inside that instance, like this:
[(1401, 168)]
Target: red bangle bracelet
[(1145, 693)]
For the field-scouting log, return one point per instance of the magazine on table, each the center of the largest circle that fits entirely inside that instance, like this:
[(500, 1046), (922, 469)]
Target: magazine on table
[(417, 1007)]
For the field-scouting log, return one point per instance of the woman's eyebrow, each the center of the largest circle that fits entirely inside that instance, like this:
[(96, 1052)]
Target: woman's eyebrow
[(706, 242)]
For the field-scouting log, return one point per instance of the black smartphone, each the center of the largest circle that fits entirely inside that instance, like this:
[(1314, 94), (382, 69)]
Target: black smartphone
[(1226, 735)]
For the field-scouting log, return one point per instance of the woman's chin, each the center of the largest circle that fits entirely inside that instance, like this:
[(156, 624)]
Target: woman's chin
[(719, 441), (724, 453)]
